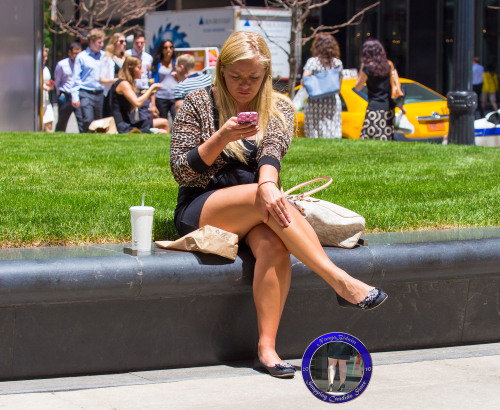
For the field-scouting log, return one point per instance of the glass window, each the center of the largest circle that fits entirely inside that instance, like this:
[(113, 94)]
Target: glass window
[(491, 33), (415, 93), (359, 33), (393, 35)]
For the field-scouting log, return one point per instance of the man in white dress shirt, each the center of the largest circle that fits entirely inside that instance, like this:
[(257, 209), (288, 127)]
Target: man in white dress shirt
[(147, 60), (63, 81)]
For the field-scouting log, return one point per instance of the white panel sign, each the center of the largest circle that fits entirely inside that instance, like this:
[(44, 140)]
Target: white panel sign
[(211, 28)]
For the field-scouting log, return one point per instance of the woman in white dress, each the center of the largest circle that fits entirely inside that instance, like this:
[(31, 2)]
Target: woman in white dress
[(47, 85), (323, 115)]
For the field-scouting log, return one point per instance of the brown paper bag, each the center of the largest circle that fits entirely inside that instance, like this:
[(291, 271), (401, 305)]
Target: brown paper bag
[(104, 125), (207, 239)]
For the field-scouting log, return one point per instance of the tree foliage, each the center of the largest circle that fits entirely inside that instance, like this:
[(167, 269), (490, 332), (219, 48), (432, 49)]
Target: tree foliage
[(78, 17), (300, 12)]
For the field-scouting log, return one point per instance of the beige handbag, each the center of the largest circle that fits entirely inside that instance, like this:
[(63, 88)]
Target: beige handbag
[(334, 225)]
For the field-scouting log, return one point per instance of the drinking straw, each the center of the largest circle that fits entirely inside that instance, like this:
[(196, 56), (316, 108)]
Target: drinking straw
[(143, 196)]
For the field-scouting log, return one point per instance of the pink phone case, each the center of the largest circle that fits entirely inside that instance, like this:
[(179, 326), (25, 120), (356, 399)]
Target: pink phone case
[(248, 117)]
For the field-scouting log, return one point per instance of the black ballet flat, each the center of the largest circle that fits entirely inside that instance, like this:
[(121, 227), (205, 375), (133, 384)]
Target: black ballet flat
[(373, 300), (282, 370), (342, 387)]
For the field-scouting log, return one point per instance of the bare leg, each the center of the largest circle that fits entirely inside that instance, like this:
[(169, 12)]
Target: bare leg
[(237, 209), (270, 287), (342, 371), (332, 363), (493, 102), (162, 125)]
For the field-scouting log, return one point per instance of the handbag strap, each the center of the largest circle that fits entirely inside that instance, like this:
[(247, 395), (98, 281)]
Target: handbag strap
[(312, 191)]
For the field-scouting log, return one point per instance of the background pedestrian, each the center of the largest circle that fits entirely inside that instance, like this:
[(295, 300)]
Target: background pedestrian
[(189, 79), (161, 71), (322, 116), (63, 78), (145, 111), (490, 87), (123, 99), (47, 85), (477, 84), (375, 72), (112, 60), (87, 91)]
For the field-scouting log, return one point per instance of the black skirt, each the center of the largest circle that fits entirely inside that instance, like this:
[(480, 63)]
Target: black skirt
[(339, 350), (190, 201)]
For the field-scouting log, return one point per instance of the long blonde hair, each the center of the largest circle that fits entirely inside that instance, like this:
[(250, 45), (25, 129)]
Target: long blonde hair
[(244, 45), (127, 71), (110, 48)]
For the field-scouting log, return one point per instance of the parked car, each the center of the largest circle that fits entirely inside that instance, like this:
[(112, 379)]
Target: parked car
[(487, 130), (426, 110)]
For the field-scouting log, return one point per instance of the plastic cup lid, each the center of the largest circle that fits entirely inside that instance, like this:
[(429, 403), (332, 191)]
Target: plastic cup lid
[(139, 208)]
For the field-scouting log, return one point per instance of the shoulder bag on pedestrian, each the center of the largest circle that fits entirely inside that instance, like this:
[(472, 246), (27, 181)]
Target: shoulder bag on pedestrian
[(334, 225), (397, 94), (323, 84)]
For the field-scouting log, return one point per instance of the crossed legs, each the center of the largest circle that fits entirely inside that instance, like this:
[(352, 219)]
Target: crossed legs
[(238, 209)]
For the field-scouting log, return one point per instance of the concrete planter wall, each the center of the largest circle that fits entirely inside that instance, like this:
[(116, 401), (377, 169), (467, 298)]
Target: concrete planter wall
[(61, 316)]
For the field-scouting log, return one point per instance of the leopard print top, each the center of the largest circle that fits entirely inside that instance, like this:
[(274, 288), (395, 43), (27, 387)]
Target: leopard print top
[(194, 124)]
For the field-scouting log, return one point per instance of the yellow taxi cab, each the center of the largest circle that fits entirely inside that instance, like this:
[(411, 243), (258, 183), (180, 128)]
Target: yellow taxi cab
[(426, 110)]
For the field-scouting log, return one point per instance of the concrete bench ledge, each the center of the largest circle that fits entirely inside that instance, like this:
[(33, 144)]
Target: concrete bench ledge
[(112, 312), (177, 274)]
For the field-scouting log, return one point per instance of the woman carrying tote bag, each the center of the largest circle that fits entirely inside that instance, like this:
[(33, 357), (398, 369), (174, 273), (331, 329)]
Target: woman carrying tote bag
[(322, 116)]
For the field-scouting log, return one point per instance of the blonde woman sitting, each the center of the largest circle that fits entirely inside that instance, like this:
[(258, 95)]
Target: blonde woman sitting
[(123, 100), (227, 174)]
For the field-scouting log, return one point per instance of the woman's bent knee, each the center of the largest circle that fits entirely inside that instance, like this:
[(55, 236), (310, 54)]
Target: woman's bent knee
[(161, 123), (265, 243)]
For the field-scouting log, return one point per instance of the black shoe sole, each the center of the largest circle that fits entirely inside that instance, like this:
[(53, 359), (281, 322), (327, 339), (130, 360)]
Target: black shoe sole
[(259, 366)]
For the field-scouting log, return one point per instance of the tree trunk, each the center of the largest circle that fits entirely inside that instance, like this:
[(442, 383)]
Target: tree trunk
[(91, 9), (295, 49)]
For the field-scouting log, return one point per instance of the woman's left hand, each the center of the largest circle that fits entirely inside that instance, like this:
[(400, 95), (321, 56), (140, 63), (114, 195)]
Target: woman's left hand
[(274, 204)]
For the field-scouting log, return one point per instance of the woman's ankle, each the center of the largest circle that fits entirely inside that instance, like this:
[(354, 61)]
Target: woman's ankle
[(268, 356)]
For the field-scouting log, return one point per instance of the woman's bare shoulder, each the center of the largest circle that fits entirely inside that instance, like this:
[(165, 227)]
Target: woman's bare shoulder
[(122, 86)]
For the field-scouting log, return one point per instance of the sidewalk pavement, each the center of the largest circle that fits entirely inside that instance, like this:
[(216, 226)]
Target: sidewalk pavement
[(466, 377)]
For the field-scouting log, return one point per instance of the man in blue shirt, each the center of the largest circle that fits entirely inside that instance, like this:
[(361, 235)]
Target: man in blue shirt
[(87, 91), (63, 78)]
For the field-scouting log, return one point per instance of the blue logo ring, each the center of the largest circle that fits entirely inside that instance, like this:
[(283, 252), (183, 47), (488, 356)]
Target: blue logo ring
[(336, 337)]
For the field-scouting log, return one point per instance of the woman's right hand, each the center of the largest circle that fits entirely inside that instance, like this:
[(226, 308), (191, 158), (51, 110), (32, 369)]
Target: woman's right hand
[(274, 203), (232, 131), (229, 132)]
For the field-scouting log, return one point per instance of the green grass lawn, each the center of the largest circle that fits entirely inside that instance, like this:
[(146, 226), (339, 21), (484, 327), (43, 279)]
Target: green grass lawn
[(66, 189)]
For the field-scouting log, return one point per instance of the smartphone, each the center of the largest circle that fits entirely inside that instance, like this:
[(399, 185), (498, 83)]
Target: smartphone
[(248, 117)]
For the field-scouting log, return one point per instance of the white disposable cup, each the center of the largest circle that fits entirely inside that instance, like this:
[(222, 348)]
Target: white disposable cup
[(141, 218)]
